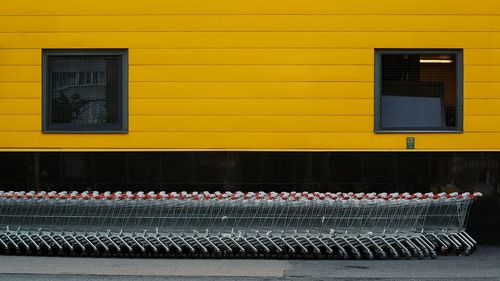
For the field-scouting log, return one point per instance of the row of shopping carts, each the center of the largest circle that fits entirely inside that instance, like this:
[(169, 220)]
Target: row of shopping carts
[(236, 224)]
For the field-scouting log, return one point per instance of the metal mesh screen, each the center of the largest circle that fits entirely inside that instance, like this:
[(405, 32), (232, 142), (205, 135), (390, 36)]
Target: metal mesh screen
[(418, 91), (84, 93)]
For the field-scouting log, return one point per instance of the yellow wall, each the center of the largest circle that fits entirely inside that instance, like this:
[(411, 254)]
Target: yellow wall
[(248, 74)]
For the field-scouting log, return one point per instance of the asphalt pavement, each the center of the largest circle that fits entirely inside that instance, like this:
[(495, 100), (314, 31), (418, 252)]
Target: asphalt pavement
[(484, 264)]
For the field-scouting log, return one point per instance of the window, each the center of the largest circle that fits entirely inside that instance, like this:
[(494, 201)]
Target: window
[(85, 91), (418, 90)]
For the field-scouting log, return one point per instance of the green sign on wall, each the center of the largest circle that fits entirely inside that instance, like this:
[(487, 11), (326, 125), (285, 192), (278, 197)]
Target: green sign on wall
[(410, 143)]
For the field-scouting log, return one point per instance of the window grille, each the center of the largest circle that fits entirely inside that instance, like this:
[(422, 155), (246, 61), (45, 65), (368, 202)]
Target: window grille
[(84, 91), (418, 90)]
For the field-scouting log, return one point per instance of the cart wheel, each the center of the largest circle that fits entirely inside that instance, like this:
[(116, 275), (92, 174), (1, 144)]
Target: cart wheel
[(343, 255), (419, 254), (356, 255), (381, 254), (467, 251), (433, 254)]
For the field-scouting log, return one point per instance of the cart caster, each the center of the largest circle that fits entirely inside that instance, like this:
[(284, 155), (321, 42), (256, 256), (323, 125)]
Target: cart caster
[(467, 251), (433, 255)]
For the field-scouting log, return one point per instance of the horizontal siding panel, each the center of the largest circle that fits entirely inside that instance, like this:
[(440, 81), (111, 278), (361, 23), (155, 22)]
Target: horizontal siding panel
[(249, 140), (353, 40), (482, 73), (482, 57), (251, 107), (20, 123), (20, 106), (20, 90), (20, 57), (480, 107), (488, 90), (244, 90), (482, 124), (120, 7), (156, 123), (250, 73), (20, 73), (251, 56), (249, 23)]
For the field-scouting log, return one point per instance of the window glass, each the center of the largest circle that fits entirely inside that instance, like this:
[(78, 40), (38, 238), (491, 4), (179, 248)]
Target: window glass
[(418, 91), (84, 92)]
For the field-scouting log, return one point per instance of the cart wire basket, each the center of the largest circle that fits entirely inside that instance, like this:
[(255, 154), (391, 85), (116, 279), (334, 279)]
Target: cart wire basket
[(236, 224)]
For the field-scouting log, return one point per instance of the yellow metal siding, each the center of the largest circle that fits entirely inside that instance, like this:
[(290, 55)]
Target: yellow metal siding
[(225, 23), (239, 74), (127, 7), (252, 39)]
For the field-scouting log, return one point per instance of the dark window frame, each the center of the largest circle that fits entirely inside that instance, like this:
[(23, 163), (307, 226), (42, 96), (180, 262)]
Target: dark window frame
[(459, 88), (78, 128)]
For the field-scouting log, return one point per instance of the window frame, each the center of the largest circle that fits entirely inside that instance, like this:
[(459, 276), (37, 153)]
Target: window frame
[(74, 128), (378, 88)]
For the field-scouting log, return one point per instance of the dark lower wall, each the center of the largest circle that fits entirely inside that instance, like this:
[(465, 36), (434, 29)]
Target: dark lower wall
[(313, 171)]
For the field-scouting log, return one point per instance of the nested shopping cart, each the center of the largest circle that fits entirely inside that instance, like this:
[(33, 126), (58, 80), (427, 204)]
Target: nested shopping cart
[(236, 224)]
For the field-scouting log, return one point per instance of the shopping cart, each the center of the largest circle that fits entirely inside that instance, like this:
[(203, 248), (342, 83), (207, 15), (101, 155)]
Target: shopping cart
[(236, 224)]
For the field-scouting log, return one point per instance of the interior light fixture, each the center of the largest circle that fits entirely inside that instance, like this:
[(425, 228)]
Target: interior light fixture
[(435, 61)]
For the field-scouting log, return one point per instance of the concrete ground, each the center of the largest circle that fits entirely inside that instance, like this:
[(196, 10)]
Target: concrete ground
[(484, 264)]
